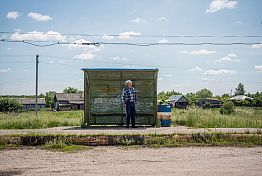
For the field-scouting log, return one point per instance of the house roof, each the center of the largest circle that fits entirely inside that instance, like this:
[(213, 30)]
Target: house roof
[(69, 96), (214, 99), (210, 99), (30, 100), (240, 97), (175, 98)]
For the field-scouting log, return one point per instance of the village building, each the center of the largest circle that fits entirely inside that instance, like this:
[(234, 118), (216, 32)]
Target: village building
[(178, 101), (210, 103), (29, 103), (68, 101)]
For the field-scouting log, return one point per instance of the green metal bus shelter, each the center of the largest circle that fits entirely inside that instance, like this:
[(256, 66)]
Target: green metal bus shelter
[(102, 95)]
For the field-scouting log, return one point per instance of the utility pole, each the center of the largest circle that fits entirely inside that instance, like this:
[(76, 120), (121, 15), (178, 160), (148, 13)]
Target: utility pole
[(36, 83)]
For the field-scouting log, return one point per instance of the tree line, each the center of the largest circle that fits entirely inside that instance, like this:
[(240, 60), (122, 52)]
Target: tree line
[(193, 98)]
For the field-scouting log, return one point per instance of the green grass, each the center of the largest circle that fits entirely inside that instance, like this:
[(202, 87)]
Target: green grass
[(212, 118), (60, 145), (45, 119), (208, 139)]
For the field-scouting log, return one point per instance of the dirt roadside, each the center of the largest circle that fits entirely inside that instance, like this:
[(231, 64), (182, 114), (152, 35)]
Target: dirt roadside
[(134, 161)]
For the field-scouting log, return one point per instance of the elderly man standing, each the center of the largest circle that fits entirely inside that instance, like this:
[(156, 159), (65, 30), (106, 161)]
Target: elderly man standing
[(129, 99)]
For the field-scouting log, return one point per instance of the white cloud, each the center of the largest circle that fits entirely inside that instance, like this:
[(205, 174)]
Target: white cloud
[(128, 66), (256, 46), (258, 68), (82, 18), (138, 20), (228, 58), (4, 70), (120, 58), (163, 41), (219, 72), (39, 16), (208, 80), (85, 56), (89, 52), (182, 85), (239, 22), (107, 37), (128, 35), (162, 19), (79, 44), (217, 5), (199, 52), (37, 36), (12, 15), (196, 69), (55, 62), (168, 75)]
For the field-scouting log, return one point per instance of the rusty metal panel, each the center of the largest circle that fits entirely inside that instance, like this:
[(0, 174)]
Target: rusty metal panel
[(137, 75), (111, 75)]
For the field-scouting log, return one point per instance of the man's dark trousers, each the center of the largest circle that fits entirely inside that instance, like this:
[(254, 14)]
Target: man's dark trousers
[(130, 113)]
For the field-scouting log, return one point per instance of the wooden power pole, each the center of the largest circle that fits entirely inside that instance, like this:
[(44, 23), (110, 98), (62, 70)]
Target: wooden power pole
[(36, 84)]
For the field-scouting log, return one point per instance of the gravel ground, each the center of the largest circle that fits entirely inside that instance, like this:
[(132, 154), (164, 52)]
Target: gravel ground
[(133, 161)]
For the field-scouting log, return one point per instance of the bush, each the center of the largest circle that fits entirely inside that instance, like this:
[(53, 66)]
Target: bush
[(227, 108), (10, 105)]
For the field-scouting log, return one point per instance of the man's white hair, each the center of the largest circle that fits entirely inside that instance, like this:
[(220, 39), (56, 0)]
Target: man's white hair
[(128, 81)]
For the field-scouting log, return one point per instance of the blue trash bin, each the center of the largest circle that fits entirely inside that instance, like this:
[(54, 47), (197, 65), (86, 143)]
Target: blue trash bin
[(164, 114)]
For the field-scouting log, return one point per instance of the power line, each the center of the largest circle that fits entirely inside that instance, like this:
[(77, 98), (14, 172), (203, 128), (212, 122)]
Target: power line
[(135, 35), (133, 44), (16, 55), (17, 62), (120, 63)]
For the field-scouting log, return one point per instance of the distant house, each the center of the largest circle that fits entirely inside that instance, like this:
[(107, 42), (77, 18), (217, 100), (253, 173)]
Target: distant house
[(29, 103), (240, 98), (69, 101), (210, 102), (178, 101)]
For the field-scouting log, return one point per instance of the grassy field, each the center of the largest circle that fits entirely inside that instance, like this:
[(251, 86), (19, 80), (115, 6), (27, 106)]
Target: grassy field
[(45, 119), (192, 117), (211, 118)]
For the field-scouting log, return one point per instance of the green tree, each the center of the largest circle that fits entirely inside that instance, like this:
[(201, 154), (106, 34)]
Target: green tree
[(49, 98), (41, 95), (10, 105), (224, 97), (192, 98), (240, 90), (204, 93), (71, 90), (165, 95)]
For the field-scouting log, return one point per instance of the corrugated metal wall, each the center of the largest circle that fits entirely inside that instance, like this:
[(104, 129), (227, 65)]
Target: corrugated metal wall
[(103, 89)]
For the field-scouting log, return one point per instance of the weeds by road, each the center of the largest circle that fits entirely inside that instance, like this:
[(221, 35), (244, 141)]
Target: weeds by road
[(45, 119), (212, 118)]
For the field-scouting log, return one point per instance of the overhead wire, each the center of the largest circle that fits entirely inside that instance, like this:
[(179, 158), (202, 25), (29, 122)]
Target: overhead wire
[(135, 35), (132, 44)]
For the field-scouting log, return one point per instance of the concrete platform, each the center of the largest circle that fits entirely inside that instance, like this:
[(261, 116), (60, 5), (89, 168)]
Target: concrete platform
[(73, 130)]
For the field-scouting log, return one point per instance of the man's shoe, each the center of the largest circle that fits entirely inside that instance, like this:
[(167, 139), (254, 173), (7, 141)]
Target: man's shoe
[(134, 126), (127, 126)]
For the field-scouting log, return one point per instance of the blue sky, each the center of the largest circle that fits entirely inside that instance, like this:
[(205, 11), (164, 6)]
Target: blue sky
[(184, 68)]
